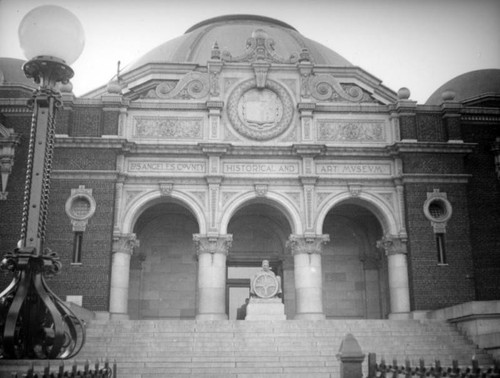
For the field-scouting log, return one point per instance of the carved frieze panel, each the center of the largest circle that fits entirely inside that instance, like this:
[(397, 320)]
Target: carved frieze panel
[(227, 196), (156, 127), (163, 166), (200, 196), (130, 195), (295, 196), (352, 131), (389, 198), (260, 113), (359, 169), (260, 168), (321, 196)]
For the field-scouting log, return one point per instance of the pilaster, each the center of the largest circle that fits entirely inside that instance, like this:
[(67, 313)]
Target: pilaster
[(212, 252), (451, 113), (395, 249), (406, 112), (123, 247), (308, 275)]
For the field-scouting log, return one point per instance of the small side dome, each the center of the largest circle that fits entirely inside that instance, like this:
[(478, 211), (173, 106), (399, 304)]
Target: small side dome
[(11, 73), (475, 88)]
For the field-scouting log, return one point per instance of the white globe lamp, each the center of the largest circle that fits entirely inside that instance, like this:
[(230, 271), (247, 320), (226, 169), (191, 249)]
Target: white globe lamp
[(52, 38)]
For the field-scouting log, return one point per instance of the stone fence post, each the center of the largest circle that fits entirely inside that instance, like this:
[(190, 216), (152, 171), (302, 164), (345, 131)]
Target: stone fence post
[(351, 358)]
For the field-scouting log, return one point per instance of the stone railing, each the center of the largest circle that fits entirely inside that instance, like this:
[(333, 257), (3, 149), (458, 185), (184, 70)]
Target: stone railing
[(86, 371), (351, 363)]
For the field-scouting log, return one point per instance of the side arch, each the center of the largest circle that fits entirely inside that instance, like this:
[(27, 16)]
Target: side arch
[(276, 200), (146, 200), (385, 215)]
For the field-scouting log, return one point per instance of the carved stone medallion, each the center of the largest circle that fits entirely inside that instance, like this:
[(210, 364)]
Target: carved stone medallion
[(260, 113)]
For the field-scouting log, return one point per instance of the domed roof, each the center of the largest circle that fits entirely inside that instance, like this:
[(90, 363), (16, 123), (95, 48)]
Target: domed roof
[(470, 86), (11, 73), (232, 35)]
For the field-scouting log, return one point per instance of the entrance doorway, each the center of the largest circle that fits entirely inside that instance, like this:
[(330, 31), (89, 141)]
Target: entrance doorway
[(238, 285), (355, 271), (260, 232), (162, 270)]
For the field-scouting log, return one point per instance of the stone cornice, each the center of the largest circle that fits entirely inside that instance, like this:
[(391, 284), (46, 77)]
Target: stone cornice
[(60, 174), (359, 151), (215, 148), (91, 142), (435, 178), (434, 147)]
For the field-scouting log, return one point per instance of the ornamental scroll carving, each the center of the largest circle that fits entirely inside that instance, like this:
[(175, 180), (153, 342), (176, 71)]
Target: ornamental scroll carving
[(346, 131), (193, 85), (168, 127), (327, 88), (259, 47)]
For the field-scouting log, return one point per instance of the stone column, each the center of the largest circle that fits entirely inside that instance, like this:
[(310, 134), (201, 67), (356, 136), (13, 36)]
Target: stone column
[(123, 247), (395, 250), (212, 253), (306, 251)]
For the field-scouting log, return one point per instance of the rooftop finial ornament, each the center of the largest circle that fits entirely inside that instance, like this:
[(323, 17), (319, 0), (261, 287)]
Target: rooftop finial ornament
[(34, 322)]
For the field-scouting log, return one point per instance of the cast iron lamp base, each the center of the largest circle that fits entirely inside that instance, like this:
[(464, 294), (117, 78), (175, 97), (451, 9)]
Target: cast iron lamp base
[(34, 322)]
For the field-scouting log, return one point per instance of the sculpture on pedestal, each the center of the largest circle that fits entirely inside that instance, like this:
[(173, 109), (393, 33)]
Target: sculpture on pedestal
[(265, 303)]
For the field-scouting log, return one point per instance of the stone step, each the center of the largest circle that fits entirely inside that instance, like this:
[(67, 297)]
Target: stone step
[(239, 349)]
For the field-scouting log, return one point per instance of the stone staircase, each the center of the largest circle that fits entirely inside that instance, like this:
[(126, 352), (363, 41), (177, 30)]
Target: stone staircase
[(244, 349)]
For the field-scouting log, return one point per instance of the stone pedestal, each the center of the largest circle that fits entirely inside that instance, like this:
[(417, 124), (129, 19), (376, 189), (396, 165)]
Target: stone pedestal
[(265, 309)]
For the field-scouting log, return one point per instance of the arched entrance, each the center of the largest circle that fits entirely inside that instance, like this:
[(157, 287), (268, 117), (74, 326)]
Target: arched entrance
[(355, 271), (260, 232), (163, 269)]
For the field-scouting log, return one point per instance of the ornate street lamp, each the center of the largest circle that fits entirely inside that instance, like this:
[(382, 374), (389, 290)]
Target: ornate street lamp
[(34, 322)]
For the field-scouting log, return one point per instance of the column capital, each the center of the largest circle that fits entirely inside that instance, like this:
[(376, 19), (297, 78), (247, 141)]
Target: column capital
[(212, 244), (310, 244), (392, 245), (125, 243)]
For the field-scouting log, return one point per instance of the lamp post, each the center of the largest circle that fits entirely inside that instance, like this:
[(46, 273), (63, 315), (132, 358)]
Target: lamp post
[(34, 322)]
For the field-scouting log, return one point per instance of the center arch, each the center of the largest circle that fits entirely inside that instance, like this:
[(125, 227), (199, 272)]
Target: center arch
[(260, 232)]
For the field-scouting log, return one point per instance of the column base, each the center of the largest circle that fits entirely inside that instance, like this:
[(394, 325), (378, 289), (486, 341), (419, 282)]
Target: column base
[(310, 316), (209, 317), (118, 316), (400, 316)]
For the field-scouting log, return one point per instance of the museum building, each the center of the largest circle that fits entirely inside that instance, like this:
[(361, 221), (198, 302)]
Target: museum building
[(242, 141)]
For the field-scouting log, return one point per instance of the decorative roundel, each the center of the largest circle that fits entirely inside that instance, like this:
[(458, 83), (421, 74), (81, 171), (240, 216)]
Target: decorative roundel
[(80, 207), (265, 285), (260, 113), (437, 209)]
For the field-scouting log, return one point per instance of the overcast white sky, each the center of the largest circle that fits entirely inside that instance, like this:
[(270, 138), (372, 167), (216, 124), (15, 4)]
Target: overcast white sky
[(419, 44)]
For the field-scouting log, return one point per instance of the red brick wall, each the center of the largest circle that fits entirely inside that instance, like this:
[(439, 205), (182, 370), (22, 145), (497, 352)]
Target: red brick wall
[(91, 278), (434, 286), (484, 208)]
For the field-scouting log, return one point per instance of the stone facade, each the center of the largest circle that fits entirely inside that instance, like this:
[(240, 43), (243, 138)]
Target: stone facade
[(323, 171)]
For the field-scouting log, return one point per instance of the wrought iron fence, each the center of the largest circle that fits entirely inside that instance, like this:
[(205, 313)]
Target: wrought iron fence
[(395, 370), (107, 371)]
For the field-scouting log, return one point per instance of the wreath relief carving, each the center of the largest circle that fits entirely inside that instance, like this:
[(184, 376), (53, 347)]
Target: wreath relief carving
[(260, 113)]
